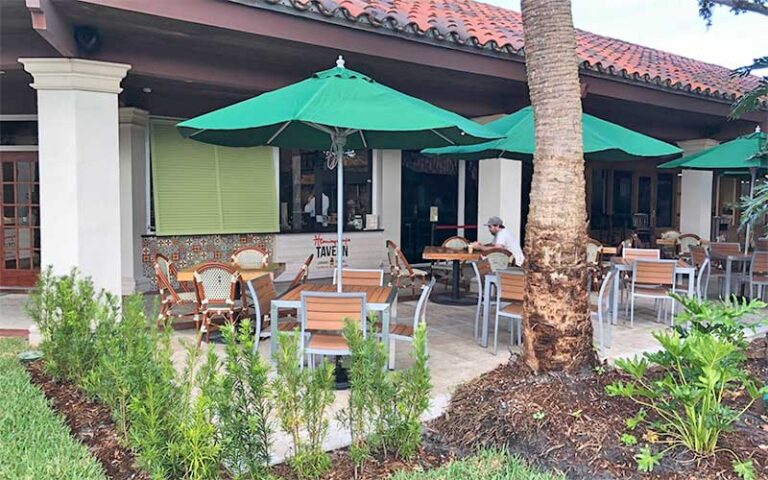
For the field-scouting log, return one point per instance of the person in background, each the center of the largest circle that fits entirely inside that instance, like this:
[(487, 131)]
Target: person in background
[(502, 238), (311, 209)]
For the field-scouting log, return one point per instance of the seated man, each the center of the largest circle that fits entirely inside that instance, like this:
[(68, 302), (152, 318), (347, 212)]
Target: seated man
[(502, 238)]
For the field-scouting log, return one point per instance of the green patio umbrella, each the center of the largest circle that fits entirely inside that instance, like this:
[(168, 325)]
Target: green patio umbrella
[(335, 109), (603, 140), (747, 152)]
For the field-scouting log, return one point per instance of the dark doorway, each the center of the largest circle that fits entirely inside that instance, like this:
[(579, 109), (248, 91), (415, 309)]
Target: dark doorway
[(665, 194), (622, 199), (427, 182)]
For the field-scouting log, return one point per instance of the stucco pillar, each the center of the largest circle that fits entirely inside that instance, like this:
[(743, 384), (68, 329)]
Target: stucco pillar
[(696, 193), (133, 196), (390, 191), (79, 166), (499, 193)]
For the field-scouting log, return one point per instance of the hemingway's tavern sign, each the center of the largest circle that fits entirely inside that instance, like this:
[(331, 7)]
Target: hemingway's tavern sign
[(325, 251)]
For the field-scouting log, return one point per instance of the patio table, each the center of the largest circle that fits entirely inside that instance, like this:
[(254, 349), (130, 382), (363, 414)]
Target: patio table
[(456, 256), (729, 260), (378, 299), (247, 274), (621, 264)]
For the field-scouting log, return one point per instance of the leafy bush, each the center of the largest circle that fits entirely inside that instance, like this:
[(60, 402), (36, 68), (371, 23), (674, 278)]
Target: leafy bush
[(302, 397), (384, 407), (34, 441), (242, 405), (65, 308), (723, 319), (485, 465), (695, 373)]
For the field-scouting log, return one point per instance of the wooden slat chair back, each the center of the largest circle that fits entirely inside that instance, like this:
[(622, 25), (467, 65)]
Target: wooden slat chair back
[(687, 241), (456, 242), (760, 262), (758, 274), (511, 286), (641, 253), (698, 256), (262, 291), (762, 244), (250, 257), (328, 311), (360, 277), (303, 273), (725, 248), (659, 272)]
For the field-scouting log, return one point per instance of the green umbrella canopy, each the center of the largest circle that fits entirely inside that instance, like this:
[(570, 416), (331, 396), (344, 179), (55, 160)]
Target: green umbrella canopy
[(603, 141), (747, 151), (337, 102)]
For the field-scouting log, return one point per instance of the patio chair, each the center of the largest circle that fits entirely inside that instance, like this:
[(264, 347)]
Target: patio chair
[(261, 291), (250, 258), (216, 284), (718, 268), (641, 253), (322, 320), (653, 279), (404, 332), (173, 303), (594, 260), (456, 242), (360, 277), (670, 235), (303, 273), (511, 286), (600, 311), (758, 273), (481, 269), (685, 242), (401, 273), (499, 258), (700, 261), (761, 244), (444, 269)]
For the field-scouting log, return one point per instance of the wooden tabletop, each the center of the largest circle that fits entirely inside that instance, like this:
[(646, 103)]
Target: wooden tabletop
[(445, 253), (627, 261), (372, 294), (666, 242), (274, 269)]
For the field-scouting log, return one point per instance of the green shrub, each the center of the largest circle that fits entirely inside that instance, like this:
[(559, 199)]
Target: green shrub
[(485, 465), (384, 407), (242, 405), (694, 374), (65, 309), (723, 319), (302, 397), (35, 443)]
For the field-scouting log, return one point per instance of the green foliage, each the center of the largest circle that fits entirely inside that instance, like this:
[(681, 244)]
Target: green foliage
[(754, 209), (384, 407), (35, 442), (242, 405), (745, 470), (538, 416), (64, 309), (633, 422), (485, 465), (647, 460), (302, 397), (700, 363), (723, 319), (628, 439)]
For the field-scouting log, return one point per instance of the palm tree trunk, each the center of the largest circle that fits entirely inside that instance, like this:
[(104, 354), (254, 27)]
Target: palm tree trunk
[(557, 326)]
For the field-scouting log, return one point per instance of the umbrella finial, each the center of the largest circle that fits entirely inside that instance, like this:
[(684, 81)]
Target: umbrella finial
[(757, 128), (340, 62)]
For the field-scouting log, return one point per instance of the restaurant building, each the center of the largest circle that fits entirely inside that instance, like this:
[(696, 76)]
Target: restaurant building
[(94, 174)]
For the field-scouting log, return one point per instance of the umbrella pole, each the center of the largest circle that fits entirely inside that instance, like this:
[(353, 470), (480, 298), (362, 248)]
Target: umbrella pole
[(339, 141), (752, 175)]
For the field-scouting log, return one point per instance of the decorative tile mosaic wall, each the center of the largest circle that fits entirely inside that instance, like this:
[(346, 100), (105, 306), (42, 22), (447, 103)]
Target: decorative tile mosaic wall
[(188, 250)]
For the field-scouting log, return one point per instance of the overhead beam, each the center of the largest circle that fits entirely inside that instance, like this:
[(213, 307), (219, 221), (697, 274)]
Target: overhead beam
[(52, 26)]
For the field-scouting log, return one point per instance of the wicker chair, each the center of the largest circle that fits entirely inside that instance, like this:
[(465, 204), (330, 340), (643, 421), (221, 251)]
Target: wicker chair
[(303, 273), (499, 258), (216, 284), (443, 269), (249, 258), (173, 303), (401, 273), (594, 261), (685, 242)]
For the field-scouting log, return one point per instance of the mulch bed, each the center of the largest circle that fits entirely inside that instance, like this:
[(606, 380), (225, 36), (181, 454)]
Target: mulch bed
[(428, 457), (579, 432), (91, 423)]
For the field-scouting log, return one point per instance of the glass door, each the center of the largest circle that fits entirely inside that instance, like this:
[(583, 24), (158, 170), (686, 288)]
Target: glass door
[(20, 226), (665, 199)]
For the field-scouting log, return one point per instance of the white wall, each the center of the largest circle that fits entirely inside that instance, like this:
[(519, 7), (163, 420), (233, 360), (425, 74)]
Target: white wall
[(391, 197), (696, 202), (499, 194)]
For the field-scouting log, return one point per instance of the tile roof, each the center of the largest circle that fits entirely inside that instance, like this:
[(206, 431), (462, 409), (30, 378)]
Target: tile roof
[(479, 25)]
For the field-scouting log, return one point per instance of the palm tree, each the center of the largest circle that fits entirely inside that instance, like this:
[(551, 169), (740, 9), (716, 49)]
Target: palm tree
[(557, 326)]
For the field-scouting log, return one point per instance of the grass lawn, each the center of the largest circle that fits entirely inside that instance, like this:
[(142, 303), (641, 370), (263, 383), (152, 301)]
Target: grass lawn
[(486, 465), (34, 441)]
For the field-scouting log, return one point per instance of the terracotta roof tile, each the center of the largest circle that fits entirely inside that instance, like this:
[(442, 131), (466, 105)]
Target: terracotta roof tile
[(484, 26)]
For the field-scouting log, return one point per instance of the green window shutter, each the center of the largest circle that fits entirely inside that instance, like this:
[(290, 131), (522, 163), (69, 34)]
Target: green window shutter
[(203, 189)]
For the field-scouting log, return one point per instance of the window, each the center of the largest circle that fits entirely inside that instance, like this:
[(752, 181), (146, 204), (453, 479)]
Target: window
[(308, 191), (205, 189), (18, 132)]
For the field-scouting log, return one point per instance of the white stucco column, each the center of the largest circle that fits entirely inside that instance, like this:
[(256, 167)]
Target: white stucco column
[(696, 193), (79, 166), (133, 196), (390, 192), (499, 193)]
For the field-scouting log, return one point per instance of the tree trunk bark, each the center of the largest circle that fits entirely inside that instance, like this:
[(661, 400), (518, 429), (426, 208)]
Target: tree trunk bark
[(556, 325)]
